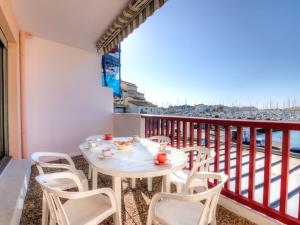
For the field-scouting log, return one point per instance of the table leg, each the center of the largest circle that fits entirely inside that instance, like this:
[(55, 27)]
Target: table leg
[(133, 183), (117, 187), (95, 179), (166, 183), (149, 183)]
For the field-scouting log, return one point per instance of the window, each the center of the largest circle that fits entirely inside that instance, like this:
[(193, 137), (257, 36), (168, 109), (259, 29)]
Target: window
[(3, 98)]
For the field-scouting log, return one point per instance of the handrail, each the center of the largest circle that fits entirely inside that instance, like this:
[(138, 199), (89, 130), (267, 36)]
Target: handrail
[(183, 133), (278, 125)]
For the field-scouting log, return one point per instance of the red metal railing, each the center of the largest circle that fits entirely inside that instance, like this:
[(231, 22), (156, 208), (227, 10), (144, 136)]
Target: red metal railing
[(218, 132)]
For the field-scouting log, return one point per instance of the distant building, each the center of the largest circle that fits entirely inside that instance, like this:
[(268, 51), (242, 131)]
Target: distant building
[(133, 101)]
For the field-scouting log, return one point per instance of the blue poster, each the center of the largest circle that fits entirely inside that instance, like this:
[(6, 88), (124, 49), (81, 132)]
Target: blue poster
[(111, 71)]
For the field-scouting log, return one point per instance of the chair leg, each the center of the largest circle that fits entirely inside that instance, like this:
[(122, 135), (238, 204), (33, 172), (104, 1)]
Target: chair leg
[(119, 220), (149, 219), (133, 182), (45, 211), (213, 221), (90, 172), (52, 222), (179, 188), (149, 181)]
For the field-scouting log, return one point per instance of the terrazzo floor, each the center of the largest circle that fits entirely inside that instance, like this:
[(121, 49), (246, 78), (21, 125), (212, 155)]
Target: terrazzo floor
[(135, 201)]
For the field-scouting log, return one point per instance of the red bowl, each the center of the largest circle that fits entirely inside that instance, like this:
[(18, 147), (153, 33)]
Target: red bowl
[(107, 137)]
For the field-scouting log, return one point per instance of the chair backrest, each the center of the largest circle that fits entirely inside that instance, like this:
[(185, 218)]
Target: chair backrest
[(160, 139), (54, 195), (38, 156), (204, 157), (210, 196)]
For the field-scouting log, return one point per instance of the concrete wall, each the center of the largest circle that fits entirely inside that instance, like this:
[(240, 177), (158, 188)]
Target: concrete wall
[(64, 100), (127, 124)]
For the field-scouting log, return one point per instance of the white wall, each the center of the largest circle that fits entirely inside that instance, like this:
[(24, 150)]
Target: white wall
[(128, 124), (64, 99)]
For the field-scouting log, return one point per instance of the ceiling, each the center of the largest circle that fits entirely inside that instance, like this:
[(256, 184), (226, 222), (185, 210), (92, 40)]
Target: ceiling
[(78, 23)]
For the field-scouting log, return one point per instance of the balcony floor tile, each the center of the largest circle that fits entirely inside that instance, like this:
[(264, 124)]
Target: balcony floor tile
[(135, 201)]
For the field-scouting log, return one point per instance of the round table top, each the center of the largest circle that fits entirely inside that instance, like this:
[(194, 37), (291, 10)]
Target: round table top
[(136, 162)]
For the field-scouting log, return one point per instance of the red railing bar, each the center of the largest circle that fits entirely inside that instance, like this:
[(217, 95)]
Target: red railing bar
[(157, 126), (184, 134), (227, 155), (191, 134), (150, 127), (162, 127), (172, 133), (239, 150), (217, 149), (252, 163), (167, 128), (207, 135), (267, 166), (178, 133), (199, 134), (284, 171), (266, 124)]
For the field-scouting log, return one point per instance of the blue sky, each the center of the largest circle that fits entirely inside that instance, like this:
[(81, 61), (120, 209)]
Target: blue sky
[(214, 51)]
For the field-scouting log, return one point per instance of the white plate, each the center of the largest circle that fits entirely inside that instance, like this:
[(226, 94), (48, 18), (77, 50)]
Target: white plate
[(94, 138)]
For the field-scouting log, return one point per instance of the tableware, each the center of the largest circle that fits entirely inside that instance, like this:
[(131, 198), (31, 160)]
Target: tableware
[(135, 138), (97, 138), (107, 136), (165, 163), (161, 157), (162, 147), (123, 145), (107, 152), (92, 144)]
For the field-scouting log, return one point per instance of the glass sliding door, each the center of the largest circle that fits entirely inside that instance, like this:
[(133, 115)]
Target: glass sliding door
[(3, 98)]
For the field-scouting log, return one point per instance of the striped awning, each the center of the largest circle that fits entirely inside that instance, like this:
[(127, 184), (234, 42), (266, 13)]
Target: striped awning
[(135, 14)]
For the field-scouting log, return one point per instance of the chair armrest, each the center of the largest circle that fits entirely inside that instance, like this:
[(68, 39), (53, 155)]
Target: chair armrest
[(36, 155), (85, 194), (59, 166)]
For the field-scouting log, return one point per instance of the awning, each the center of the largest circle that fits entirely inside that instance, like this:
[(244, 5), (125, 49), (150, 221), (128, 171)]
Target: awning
[(135, 14)]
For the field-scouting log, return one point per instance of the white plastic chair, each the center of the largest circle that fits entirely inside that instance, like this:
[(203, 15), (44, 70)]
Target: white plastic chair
[(187, 209), (160, 140), (62, 184), (202, 163), (79, 208)]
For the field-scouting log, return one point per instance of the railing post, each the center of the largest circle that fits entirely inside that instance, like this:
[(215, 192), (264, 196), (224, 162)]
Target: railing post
[(184, 134), (227, 155), (146, 127), (199, 134), (191, 134), (252, 163), (162, 127), (178, 134), (284, 171), (167, 128), (239, 150), (267, 168), (157, 126), (217, 149), (150, 126), (172, 133), (207, 135)]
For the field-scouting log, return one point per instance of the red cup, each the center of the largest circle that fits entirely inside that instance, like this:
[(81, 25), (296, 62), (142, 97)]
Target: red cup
[(107, 136), (161, 157)]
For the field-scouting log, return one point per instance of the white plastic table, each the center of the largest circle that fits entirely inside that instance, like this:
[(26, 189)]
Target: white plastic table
[(137, 162)]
